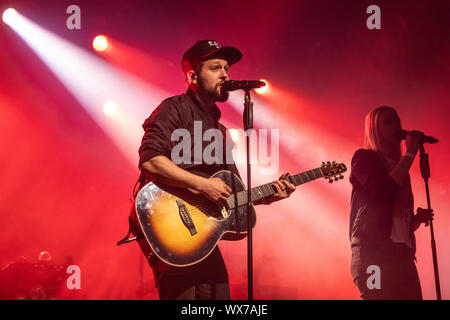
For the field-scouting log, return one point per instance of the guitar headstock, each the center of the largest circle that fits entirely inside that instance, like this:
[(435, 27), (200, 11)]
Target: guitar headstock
[(332, 169)]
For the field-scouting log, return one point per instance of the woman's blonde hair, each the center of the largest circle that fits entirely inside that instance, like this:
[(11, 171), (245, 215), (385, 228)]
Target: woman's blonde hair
[(372, 139)]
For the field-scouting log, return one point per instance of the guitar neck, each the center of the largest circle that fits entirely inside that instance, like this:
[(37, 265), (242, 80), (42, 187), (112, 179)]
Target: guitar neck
[(267, 190)]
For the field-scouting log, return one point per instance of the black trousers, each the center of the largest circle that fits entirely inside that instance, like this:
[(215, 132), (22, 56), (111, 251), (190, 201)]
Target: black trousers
[(206, 280), (395, 268), (180, 288)]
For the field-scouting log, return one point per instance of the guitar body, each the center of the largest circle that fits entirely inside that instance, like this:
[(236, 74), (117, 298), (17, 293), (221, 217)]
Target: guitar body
[(182, 228)]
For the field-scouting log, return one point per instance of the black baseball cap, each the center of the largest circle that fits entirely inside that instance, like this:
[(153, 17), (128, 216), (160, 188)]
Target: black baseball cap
[(203, 49)]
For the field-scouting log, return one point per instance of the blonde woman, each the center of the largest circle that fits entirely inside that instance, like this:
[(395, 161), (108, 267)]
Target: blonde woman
[(382, 220)]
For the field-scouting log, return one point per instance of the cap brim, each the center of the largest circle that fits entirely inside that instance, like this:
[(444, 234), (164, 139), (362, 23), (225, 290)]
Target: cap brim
[(231, 54)]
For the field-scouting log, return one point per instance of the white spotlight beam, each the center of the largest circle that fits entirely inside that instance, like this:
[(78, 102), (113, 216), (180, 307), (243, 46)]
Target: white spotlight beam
[(305, 148), (92, 82)]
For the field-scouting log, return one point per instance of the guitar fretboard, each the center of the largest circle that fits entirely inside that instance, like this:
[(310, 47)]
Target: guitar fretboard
[(266, 190)]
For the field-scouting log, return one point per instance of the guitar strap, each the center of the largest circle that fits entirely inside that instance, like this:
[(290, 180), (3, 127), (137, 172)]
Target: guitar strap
[(141, 182)]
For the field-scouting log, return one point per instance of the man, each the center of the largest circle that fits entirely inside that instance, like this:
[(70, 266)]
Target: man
[(205, 66)]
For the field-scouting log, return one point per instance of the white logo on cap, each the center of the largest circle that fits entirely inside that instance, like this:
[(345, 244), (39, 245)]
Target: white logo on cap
[(213, 44)]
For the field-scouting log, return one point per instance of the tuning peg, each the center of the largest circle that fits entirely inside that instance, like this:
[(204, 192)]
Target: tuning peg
[(330, 181), (336, 178), (328, 162), (341, 177), (322, 163)]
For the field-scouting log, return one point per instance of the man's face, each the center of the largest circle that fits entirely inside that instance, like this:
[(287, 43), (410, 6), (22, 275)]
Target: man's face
[(213, 73)]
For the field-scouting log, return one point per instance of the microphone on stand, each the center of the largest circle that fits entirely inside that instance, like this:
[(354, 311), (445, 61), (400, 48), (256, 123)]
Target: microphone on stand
[(246, 85), (425, 139)]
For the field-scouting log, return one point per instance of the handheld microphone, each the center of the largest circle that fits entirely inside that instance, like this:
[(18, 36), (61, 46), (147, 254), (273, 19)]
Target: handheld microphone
[(232, 85), (425, 139)]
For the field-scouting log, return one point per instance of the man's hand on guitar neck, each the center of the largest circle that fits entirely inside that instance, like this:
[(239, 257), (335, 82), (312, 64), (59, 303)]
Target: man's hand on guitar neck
[(283, 190)]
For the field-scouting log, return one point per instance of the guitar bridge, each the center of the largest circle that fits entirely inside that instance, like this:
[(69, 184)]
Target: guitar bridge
[(186, 217), (224, 212)]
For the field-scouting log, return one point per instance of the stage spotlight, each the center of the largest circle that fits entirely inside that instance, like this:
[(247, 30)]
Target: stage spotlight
[(263, 90), (110, 108), (101, 43), (92, 81), (10, 16)]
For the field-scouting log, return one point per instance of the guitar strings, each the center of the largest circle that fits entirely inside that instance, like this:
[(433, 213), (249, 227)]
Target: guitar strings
[(241, 196), (242, 199), (200, 211)]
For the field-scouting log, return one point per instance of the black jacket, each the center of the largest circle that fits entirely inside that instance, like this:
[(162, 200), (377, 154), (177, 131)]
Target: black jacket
[(180, 112), (372, 201)]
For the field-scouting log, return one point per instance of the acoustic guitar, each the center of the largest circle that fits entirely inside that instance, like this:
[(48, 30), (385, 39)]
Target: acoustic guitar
[(182, 228)]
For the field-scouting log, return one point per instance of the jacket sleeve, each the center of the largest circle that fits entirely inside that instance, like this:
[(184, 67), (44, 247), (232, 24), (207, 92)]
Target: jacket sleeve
[(369, 173), (158, 129)]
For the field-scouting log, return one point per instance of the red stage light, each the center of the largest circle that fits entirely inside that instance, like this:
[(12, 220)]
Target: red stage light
[(101, 43)]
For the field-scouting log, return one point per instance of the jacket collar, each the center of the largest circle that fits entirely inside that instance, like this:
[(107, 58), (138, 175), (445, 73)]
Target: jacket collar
[(216, 114)]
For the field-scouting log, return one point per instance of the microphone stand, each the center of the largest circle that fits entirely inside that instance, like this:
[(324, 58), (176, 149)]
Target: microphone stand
[(248, 124), (425, 171)]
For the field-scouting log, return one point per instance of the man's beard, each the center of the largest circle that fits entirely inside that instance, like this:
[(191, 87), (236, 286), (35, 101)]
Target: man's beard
[(215, 94), (223, 96)]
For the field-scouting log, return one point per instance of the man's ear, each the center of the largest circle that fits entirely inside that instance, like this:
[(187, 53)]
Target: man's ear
[(191, 77)]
